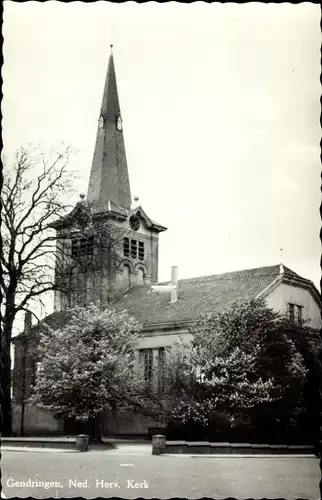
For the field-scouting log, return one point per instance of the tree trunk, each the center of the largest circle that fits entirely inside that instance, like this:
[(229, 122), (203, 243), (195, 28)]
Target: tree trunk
[(6, 335), (95, 429), (320, 483), (22, 421), (6, 376), (6, 392), (23, 389)]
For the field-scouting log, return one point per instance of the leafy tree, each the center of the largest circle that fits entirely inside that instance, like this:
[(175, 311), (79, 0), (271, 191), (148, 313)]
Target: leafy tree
[(249, 361), (242, 367), (88, 366), (308, 343), (34, 193)]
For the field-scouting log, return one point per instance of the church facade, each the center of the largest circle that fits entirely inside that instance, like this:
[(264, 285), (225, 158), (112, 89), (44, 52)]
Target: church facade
[(107, 253)]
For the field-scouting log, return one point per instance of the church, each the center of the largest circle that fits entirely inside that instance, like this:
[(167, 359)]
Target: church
[(107, 253)]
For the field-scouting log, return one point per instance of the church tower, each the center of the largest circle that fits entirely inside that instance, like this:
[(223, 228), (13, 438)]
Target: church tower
[(106, 244)]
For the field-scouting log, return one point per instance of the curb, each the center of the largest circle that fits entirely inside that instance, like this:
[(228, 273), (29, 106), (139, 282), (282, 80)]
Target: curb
[(35, 449), (239, 455), (176, 455)]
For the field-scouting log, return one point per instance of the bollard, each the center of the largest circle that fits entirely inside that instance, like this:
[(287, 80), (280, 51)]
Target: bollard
[(82, 442), (158, 444)]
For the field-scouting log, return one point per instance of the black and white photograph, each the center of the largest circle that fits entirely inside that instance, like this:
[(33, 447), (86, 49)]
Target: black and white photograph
[(160, 250)]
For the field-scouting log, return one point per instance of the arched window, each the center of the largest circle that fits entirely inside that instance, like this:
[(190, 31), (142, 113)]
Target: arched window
[(126, 276), (140, 279)]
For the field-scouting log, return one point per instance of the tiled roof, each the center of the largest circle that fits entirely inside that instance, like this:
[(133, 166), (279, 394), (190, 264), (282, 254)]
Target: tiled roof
[(55, 321), (196, 295)]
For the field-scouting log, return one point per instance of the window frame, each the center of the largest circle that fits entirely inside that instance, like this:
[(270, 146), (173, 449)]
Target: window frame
[(82, 247), (295, 312), (291, 311), (299, 313), (133, 248), (146, 362)]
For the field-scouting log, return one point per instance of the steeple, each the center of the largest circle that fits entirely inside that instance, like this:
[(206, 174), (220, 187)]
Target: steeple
[(109, 178)]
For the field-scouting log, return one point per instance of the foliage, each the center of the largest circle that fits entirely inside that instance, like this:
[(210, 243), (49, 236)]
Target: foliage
[(88, 366), (251, 365), (241, 367)]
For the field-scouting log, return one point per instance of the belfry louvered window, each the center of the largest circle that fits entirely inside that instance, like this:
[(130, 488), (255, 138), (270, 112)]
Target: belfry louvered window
[(83, 247), (126, 247), (141, 250), (133, 248)]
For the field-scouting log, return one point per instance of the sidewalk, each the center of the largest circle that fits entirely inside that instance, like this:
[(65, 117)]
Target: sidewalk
[(35, 449), (119, 448), (146, 450), (131, 449)]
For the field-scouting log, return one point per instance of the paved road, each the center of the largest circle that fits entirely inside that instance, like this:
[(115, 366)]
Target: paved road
[(133, 472)]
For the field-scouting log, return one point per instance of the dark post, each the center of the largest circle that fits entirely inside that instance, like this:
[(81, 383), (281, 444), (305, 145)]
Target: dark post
[(82, 442), (158, 444)]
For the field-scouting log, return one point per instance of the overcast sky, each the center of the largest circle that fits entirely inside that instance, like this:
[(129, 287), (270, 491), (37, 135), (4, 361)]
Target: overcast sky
[(220, 107)]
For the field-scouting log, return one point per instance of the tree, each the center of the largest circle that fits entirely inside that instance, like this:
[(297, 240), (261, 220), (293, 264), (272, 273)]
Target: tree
[(88, 366), (308, 343), (241, 368), (250, 364), (34, 193)]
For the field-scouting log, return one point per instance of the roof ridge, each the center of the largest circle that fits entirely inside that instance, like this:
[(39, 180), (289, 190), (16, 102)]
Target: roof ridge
[(287, 269), (209, 276)]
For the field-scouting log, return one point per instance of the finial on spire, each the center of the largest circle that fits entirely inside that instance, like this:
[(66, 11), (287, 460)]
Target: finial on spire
[(135, 203), (111, 45)]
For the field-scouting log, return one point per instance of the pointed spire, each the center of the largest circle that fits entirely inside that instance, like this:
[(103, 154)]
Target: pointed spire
[(109, 178), (110, 109)]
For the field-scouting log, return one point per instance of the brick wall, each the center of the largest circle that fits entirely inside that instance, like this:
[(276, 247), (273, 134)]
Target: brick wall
[(127, 423), (36, 421)]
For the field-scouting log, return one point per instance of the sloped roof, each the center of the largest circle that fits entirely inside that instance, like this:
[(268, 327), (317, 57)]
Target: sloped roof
[(55, 321), (150, 222), (197, 295)]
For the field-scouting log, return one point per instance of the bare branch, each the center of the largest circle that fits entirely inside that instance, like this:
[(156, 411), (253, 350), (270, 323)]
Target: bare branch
[(31, 200)]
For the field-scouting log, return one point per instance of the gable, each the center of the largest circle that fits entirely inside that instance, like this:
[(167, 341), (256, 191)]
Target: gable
[(149, 223), (285, 293)]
